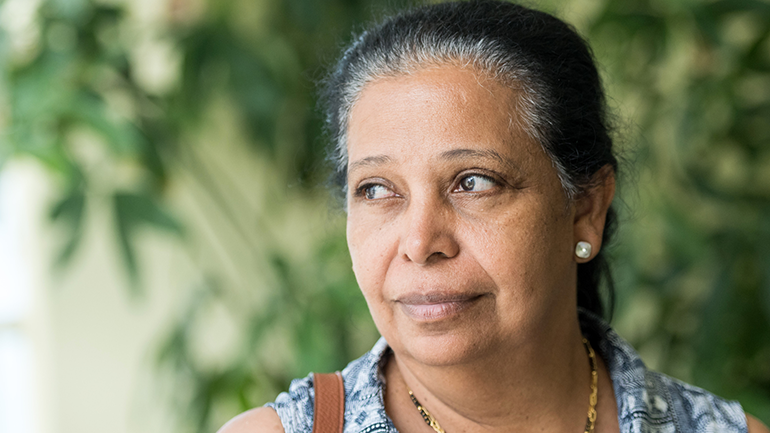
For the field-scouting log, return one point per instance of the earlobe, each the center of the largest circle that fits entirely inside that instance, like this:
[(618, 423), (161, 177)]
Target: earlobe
[(583, 249), (591, 213)]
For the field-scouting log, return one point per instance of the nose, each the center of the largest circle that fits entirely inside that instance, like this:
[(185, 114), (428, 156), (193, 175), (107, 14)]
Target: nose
[(428, 234)]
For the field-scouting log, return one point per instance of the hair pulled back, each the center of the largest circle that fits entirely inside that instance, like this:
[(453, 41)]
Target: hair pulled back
[(560, 97)]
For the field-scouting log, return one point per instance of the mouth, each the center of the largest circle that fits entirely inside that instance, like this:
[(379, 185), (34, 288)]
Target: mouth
[(430, 307)]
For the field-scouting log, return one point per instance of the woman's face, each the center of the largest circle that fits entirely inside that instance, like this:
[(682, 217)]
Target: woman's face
[(461, 237)]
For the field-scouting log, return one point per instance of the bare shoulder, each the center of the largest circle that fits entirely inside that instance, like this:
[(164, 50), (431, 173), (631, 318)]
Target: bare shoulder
[(755, 425), (257, 420)]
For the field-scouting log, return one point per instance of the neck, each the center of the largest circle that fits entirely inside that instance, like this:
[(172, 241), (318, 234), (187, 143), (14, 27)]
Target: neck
[(543, 381)]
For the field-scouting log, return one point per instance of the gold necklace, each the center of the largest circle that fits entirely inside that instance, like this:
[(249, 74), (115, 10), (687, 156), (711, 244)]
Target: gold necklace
[(590, 422)]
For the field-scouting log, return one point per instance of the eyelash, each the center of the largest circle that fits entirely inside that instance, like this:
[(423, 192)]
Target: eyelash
[(463, 176), (360, 192)]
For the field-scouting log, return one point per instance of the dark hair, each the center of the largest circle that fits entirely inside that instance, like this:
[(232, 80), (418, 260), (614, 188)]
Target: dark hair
[(560, 96)]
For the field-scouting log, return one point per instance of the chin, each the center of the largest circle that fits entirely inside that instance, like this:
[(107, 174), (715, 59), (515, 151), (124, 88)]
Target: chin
[(449, 350), (442, 345)]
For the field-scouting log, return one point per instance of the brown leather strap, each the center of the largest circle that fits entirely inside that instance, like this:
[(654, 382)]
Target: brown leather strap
[(329, 405)]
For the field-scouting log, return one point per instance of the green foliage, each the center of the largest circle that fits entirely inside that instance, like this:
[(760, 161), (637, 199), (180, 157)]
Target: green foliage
[(69, 211), (131, 212), (80, 101), (312, 320), (692, 260), (694, 77)]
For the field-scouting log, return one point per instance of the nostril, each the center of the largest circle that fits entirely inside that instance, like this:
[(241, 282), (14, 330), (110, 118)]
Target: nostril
[(436, 257), (428, 249), (428, 234)]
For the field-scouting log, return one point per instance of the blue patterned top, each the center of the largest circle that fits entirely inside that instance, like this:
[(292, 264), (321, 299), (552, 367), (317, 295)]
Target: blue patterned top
[(647, 401)]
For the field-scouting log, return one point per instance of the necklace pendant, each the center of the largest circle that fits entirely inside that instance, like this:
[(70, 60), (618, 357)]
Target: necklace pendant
[(592, 399)]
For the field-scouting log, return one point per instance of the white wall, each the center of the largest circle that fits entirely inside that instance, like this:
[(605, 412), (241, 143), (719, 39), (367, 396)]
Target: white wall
[(76, 351)]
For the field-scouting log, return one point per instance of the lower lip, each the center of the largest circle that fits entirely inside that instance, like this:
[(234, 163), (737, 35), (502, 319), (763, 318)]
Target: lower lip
[(437, 311)]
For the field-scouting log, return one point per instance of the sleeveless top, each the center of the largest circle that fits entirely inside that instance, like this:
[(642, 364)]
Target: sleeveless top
[(647, 401)]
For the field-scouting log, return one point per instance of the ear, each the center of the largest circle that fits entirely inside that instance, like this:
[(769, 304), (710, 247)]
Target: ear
[(591, 211)]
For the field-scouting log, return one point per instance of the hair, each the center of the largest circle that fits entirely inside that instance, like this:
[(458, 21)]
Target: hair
[(559, 94)]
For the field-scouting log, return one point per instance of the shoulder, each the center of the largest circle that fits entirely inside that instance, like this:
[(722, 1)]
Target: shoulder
[(755, 425), (295, 407), (258, 420), (363, 395), (649, 400), (696, 409)]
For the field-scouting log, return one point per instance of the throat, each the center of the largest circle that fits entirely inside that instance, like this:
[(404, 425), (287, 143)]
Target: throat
[(456, 401)]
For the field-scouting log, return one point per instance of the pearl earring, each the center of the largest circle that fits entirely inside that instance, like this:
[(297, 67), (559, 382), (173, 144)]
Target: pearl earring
[(583, 250)]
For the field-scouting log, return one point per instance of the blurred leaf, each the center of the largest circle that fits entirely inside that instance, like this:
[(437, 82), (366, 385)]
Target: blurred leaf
[(69, 211), (131, 212), (692, 78)]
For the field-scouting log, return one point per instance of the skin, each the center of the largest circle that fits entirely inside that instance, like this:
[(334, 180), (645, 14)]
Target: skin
[(463, 242), (467, 283)]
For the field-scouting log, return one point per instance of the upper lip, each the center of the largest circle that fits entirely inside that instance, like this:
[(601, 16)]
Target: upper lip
[(435, 298)]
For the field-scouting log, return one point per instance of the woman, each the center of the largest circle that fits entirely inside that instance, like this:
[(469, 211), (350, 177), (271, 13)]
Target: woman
[(473, 148)]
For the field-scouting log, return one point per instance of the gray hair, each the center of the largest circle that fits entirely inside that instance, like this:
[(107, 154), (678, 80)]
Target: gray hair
[(559, 98), (415, 50)]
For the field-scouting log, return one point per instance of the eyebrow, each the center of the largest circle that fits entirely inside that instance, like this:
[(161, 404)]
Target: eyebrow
[(455, 154), (370, 161)]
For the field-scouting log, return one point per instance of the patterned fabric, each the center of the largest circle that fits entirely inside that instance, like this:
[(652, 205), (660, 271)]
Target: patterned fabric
[(648, 402)]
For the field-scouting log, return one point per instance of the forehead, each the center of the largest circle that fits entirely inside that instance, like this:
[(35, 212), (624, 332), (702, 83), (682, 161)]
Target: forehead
[(443, 105)]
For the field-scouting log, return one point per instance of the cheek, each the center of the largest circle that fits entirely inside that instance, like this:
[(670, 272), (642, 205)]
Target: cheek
[(504, 252), (370, 251), (369, 244), (524, 249)]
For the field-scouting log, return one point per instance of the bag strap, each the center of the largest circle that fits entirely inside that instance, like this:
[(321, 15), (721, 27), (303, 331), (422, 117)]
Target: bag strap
[(329, 405)]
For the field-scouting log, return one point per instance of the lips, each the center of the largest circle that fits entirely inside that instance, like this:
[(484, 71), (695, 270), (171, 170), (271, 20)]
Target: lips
[(428, 307)]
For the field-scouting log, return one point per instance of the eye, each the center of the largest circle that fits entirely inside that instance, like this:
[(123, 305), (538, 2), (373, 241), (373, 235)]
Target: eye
[(475, 183), (376, 191)]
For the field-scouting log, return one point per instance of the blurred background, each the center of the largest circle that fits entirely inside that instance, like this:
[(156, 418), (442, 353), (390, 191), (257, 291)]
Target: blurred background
[(169, 255)]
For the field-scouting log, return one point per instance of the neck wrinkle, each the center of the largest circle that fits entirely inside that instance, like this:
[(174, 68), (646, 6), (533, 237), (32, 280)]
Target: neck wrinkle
[(527, 388)]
